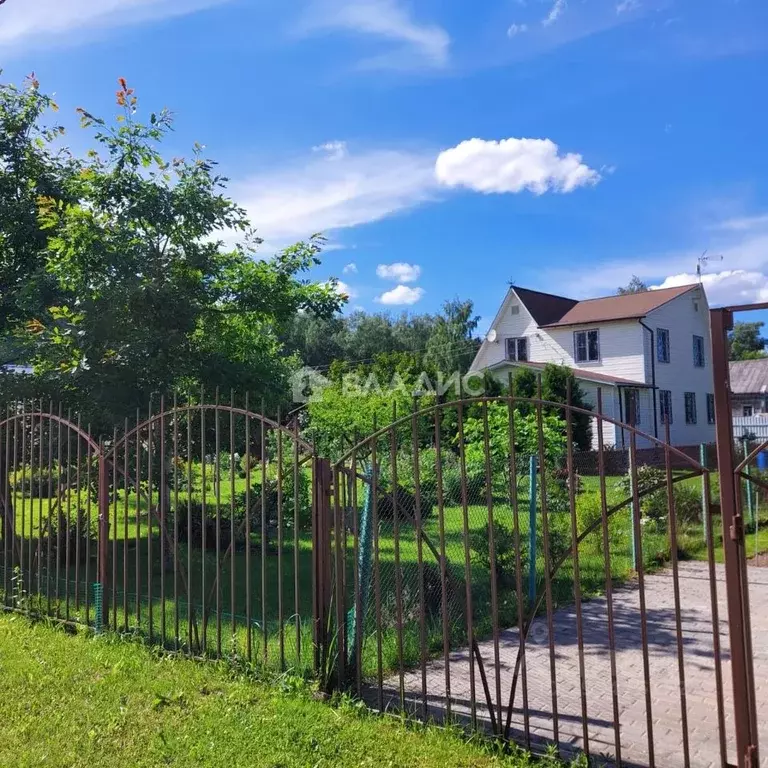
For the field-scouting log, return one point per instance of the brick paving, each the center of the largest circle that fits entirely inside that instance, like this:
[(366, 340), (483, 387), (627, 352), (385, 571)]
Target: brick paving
[(666, 718)]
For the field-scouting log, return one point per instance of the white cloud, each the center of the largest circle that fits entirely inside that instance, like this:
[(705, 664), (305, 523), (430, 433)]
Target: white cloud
[(323, 192), (30, 21), (399, 271), (516, 29), (334, 150), (512, 165), (627, 5), (350, 269), (555, 12), (418, 44), (401, 295), (737, 286)]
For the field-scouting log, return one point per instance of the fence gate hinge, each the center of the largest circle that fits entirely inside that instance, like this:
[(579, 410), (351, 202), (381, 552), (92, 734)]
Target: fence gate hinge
[(750, 759), (737, 528)]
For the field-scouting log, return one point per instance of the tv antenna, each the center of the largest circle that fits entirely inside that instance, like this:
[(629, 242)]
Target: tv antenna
[(703, 260)]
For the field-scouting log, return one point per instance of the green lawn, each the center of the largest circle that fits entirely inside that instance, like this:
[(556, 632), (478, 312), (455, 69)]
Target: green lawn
[(82, 701)]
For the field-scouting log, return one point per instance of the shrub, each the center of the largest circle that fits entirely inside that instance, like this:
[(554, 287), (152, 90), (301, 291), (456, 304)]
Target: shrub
[(63, 533), (35, 485), (652, 489)]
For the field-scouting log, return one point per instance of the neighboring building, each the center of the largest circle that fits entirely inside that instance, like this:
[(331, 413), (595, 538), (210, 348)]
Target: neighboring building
[(749, 398), (648, 353)]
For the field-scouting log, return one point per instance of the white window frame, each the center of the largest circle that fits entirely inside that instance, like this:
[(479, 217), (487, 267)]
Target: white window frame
[(696, 363), (665, 405), (516, 340), (666, 358), (745, 408), (586, 333), (710, 408), (691, 417)]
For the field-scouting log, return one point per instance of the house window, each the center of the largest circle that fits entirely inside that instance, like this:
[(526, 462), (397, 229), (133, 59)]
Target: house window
[(662, 345), (587, 346), (517, 349), (710, 408), (514, 309), (632, 407), (698, 351), (665, 406), (690, 407), (746, 411)]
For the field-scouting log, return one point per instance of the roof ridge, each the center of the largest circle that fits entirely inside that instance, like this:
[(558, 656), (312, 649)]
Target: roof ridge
[(687, 286), (543, 293)]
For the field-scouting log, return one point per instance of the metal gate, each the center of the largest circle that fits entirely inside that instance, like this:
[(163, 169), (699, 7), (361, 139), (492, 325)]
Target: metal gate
[(192, 528), (486, 572)]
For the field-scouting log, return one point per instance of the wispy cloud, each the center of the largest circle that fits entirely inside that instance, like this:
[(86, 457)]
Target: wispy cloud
[(40, 20), (741, 276), (512, 165), (350, 269), (516, 29), (327, 191), (555, 12), (416, 43), (627, 5)]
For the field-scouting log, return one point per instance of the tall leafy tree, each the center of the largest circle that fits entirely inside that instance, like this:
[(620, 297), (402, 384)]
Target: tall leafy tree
[(746, 343), (635, 285), (452, 346), (148, 298)]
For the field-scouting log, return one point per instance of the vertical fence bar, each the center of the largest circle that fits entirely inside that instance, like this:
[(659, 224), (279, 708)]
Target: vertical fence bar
[(7, 517), (492, 555), (217, 496), (137, 540), (419, 558), (51, 503), (40, 510), (633, 515), (12, 527), (443, 564), (67, 540), (377, 570), (114, 527), (89, 459), (608, 575), (547, 563), (176, 617), (232, 533), (248, 575), (150, 484), (162, 492), (748, 484), (22, 569), (203, 528), (264, 512), (737, 588), (126, 493), (338, 577), (398, 570), (704, 501), (103, 532), (296, 524), (676, 591), (641, 589), (513, 500), (190, 612), (77, 517), (532, 483), (280, 596), (572, 482)]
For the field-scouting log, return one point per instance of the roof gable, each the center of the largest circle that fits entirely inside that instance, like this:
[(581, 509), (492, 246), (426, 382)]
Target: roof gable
[(544, 308)]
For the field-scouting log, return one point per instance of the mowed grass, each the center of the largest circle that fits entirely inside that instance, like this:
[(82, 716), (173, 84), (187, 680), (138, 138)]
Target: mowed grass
[(85, 701)]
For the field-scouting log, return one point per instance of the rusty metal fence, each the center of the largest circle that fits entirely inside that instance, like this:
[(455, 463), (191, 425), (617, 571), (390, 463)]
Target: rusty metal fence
[(463, 563)]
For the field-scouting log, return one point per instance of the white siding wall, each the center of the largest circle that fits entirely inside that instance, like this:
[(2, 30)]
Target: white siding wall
[(679, 375), (621, 344)]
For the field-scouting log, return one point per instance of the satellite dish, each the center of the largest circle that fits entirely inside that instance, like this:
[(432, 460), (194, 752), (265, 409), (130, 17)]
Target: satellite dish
[(491, 335)]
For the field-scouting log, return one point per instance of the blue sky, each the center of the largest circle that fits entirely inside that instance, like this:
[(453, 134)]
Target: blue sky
[(446, 147)]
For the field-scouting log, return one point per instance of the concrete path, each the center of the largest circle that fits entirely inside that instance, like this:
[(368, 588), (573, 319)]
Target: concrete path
[(700, 687)]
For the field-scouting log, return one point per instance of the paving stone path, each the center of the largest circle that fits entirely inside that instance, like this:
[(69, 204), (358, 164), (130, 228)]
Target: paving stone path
[(700, 687)]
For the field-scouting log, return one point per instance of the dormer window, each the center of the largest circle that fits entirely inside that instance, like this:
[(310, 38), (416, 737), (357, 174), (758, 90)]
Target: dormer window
[(517, 349), (586, 345)]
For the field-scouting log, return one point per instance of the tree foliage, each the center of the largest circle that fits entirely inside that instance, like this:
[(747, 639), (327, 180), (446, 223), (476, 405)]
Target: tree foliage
[(635, 285), (121, 285), (746, 343)]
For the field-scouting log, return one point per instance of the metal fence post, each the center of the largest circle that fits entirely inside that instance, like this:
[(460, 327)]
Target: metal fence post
[(703, 462), (737, 589), (748, 484), (103, 532), (532, 532), (632, 540)]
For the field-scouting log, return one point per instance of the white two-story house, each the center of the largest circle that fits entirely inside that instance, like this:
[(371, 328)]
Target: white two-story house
[(648, 353)]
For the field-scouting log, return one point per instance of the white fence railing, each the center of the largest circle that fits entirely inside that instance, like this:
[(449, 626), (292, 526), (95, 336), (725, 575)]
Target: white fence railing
[(749, 426)]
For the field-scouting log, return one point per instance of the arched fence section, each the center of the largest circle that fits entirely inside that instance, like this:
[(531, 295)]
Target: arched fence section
[(478, 576), (191, 527)]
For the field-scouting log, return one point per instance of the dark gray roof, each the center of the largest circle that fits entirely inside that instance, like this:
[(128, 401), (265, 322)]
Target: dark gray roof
[(749, 376)]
